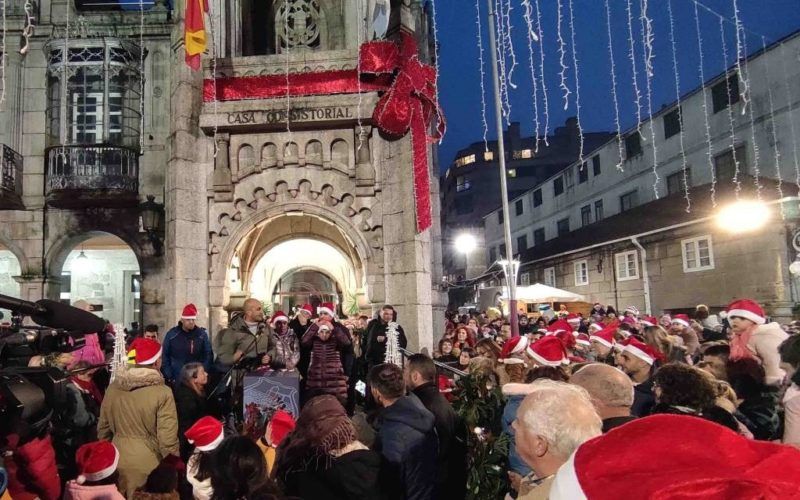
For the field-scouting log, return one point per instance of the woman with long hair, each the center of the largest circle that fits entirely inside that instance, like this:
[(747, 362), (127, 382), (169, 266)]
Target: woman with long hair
[(658, 338), (239, 471), (191, 402)]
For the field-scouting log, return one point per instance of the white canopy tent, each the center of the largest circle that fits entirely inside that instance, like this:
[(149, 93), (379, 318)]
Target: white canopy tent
[(540, 293)]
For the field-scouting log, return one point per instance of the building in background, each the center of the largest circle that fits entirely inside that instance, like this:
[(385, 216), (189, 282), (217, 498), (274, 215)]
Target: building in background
[(596, 227)]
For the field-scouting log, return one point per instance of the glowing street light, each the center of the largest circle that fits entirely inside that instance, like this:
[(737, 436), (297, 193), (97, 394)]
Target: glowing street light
[(744, 216), (466, 243)]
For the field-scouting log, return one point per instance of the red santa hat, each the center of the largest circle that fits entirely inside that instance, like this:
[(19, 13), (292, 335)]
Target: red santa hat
[(307, 309), (280, 426), (96, 460), (548, 351), (747, 309), (712, 462), (606, 335), (279, 316), (189, 312), (327, 307), (206, 434), (648, 321), (641, 350), (145, 351), (559, 326), (566, 338), (573, 320), (595, 327), (681, 319), (513, 348), (583, 339)]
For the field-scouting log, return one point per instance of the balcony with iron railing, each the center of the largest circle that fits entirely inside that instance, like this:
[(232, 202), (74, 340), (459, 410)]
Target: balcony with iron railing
[(11, 180)]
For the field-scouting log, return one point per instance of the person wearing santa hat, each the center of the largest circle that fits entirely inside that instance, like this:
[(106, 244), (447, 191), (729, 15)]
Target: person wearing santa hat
[(97, 466), (682, 327), (284, 346), (245, 340), (205, 435), (754, 338), (603, 343), (185, 343), (138, 415), (548, 351), (329, 343), (278, 427), (637, 360)]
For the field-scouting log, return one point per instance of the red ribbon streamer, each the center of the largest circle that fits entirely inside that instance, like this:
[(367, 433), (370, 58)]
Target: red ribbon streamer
[(409, 102)]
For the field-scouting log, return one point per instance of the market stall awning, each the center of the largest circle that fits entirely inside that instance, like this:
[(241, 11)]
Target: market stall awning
[(542, 293)]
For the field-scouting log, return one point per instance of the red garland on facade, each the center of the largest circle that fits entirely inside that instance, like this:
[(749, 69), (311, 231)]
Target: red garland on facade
[(408, 103)]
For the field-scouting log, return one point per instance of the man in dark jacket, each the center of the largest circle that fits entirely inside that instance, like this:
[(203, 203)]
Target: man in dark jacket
[(247, 336), (375, 350), (185, 343), (406, 437), (451, 477)]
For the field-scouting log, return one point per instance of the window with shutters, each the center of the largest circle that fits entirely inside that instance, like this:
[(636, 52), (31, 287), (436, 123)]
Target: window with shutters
[(627, 266), (698, 254)]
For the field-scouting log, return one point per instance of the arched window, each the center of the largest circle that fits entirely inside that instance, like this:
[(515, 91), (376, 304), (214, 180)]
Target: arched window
[(272, 27)]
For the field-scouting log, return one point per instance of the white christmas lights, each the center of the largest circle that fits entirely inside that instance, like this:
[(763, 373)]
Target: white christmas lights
[(776, 154), (709, 147), (736, 180), (644, 19), (561, 55), (545, 102), (620, 146), (483, 75), (577, 82), (532, 37), (684, 166)]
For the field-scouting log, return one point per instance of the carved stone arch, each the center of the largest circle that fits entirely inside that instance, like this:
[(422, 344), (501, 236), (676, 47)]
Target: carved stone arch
[(57, 253), (314, 153), (15, 249)]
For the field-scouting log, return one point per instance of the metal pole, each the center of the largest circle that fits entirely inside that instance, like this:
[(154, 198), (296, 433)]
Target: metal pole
[(501, 151)]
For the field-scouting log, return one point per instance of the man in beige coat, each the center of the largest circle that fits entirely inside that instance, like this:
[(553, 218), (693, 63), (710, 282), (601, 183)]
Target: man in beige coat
[(138, 415)]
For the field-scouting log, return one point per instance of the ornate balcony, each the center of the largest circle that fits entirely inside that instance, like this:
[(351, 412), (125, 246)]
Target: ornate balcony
[(92, 176), (11, 180)]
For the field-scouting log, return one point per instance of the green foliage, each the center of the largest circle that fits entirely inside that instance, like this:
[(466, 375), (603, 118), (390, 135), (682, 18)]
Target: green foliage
[(479, 402), (350, 305), (487, 466)]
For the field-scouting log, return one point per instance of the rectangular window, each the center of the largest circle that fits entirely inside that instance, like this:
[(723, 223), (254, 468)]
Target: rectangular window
[(538, 237), (87, 117), (465, 160), (583, 173), (525, 279), (492, 255), (673, 122), (500, 217), (563, 227), (725, 164), (675, 183), (581, 273), (569, 179), (100, 5), (598, 210), (698, 254), (558, 186), (488, 155), (628, 201), (537, 197), (464, 204), (462, 183), (586, 215), (633, 146), (522, 243), (596, 165), (627, 266), (725, 93), (550, 276), (518, 207)]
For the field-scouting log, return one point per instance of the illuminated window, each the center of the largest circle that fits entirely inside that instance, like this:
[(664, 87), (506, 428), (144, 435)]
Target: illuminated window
[(512, 172), (465, 160), (525, 153), (488, 155)]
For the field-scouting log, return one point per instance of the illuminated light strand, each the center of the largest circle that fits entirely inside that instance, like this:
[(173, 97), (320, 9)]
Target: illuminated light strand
[(644, 19), (614, 88), (561, 55), (435, 51), (709, 149), (792, 127), (776, 154), (750, 112), (510, 44), (501, 60), (483, 75), (684, 166), (545, 100), (741, 52), (632, 56), (648, 37), (577, 82), (141, 78), (532, 37), (736, 180)]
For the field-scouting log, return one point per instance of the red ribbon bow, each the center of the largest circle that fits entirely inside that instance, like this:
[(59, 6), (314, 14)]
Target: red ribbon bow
[(409, 103)]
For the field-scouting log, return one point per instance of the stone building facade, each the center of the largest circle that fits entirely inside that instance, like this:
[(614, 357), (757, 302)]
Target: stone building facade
[(235, 177)]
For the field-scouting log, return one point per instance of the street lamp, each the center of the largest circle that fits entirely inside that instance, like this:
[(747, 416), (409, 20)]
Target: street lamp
[(744, 216), (151, 213), (465, 243)]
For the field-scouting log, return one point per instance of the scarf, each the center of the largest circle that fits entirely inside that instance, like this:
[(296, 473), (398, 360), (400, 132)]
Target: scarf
[(89, 387), (739, 349)]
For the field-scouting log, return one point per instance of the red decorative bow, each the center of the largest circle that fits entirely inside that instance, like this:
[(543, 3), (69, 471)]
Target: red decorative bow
[(409, 103)]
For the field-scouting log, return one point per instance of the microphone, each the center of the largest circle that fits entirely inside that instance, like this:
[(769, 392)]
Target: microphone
[(54, 314)]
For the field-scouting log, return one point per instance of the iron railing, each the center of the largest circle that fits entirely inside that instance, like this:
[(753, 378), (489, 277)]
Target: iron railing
[(11, 172), (92, 167)]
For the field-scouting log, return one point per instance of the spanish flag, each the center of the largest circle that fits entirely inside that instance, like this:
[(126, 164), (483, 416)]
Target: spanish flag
[(194, 31)]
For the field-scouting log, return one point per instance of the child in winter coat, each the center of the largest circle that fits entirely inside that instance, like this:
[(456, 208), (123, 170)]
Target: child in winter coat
[(278, 427), (206, 434), (97, 465)]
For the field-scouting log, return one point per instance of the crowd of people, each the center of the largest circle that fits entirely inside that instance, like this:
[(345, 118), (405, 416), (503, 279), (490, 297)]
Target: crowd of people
[(586, 399)]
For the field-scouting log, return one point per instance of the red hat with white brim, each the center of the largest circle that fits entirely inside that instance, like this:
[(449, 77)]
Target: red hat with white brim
[(145, 351), (681, 319), (327, 308), (189, 312), (595, 327), (573, 319), (712, 462), (206, 434), (583, 339), (306, 309), (96, 461), (515, 346), (648, 321), (279, 316), (559, 326), (747, 309), (640, 350), (606, 335), (548, 351)]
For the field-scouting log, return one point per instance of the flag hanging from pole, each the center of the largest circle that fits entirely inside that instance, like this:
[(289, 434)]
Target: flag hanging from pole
[(194, 31)]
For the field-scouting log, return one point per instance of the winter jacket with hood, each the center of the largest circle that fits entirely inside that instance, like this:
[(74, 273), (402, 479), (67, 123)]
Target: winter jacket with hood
[(31, 467), (764, 343), (138, 415), (375, 350), (514, 394), (181, 347), (238, 337), (407, 441), (75, 491), (325, 372)]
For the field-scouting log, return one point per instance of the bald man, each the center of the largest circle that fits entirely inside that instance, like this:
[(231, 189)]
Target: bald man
[(247, 336), (611, 392)]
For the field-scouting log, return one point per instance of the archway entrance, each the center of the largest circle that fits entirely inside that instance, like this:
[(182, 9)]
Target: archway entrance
[(9, 268), (104, 271)]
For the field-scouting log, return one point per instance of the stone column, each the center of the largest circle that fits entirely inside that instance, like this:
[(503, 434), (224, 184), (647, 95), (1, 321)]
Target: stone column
[(185, 202)]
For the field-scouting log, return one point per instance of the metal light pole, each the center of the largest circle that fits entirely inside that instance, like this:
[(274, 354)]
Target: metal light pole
[(501, 151)]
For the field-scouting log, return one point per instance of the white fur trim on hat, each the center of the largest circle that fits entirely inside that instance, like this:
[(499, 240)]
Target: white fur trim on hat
[(682, 322), (101, 474), (744, 313), (213, 444), (601, 340), (536, 357), (639, 353), (279, 318), (321, 310), (583, 342), (512, 361), (151, 360), (595, 326)]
